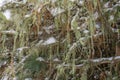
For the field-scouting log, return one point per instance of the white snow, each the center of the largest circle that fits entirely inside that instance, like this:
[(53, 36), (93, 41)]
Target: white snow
[(115, 30), (39, 9), (108, 9), (20, 49), (81, 2), (40, 32), (50, 40), (83, 18), (27, 15), (56, 11), (24, 1), (56, 60), (40, 59), (96, 15), (15, 78), (28, 78), (117, 57), (72, 0), (2, 2), (106, 5), (82, 38), (103, 59), (111, 17), (5, 77), (46, 78), (7, 14), (97, 26), (9, 32), (85, 31), (80, 65), (53, 1)]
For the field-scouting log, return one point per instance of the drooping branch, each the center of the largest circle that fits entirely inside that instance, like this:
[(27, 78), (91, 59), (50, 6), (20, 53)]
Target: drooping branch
[(110, 60)]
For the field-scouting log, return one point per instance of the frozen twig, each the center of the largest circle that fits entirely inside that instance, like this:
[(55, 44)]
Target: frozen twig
[(95, 61)]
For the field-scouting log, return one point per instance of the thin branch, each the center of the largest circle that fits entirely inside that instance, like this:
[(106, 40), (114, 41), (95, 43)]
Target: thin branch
[(95, 61)]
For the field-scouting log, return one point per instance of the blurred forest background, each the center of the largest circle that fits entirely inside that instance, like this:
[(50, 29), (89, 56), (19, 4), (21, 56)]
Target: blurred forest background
[(59, 39)]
